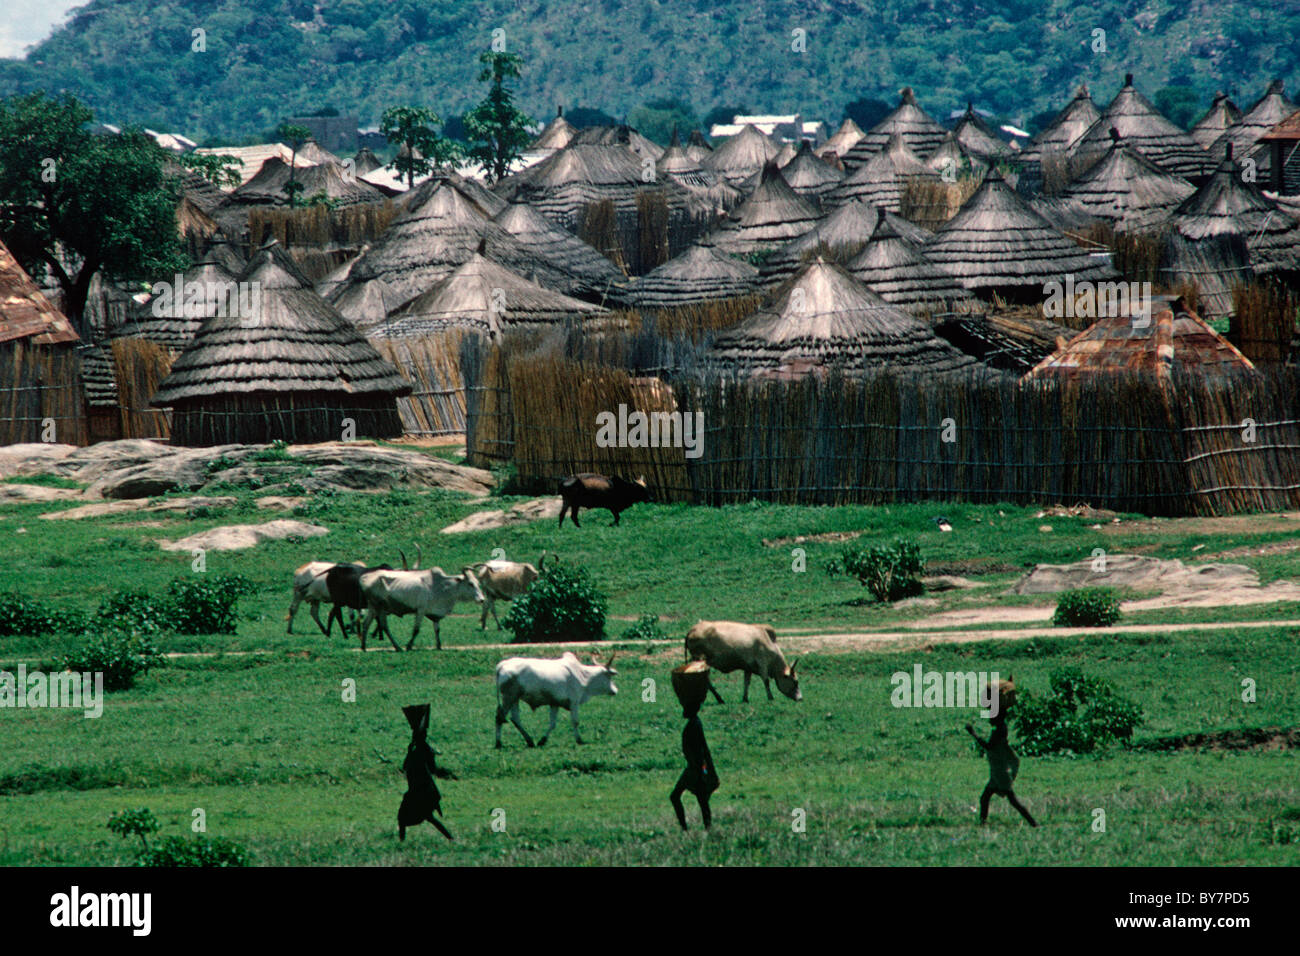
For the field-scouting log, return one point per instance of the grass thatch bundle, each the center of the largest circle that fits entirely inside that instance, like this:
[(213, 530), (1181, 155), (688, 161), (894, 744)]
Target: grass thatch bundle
[(139, 367), (929, 203), (431, 364), (1136, 256), (652, 227)]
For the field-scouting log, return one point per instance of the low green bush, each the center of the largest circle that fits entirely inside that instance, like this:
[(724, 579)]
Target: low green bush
[(562, 605), (23, 616), (202, 604), (1081, 715), (138, 822), (195, 851), (645, 629), (1087, 607), (120, 657), (890, 572)]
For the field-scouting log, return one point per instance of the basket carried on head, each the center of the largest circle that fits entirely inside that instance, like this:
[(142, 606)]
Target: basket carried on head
[(691, 683), (1006, 692)]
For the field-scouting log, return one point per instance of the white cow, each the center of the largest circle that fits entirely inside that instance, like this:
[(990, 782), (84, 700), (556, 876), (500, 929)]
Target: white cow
[(431, 593), (566, 683), (309, 586)]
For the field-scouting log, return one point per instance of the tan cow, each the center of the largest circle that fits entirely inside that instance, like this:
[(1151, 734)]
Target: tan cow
[(730, 646)]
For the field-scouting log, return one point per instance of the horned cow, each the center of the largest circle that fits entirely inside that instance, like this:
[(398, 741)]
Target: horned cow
[(504, 581), (431, 593), (730, 646), (566, 683), (589, 490)]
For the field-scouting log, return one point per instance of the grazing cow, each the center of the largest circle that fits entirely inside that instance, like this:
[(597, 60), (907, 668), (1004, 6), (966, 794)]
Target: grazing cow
[(729, 646), (309, 585), (566, 683), (343, 582), (504, 581), (599, 491), (431, 593)]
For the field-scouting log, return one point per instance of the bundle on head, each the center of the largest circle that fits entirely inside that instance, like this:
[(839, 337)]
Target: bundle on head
[(1006, 695), (691, 683)]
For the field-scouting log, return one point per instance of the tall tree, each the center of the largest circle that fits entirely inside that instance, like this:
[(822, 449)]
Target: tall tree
[(498, 130), (420, 148), (293, 136), (74, 204)]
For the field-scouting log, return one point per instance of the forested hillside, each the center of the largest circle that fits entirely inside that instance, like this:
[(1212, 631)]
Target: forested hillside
[(255, 61)]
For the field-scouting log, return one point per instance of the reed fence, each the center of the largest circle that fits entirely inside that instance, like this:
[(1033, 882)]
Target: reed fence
[(41, 397), (436, 405)]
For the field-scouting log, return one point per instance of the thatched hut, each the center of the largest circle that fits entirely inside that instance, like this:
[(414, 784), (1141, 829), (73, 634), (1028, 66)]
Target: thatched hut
[(293, 370), (1056, 141), (1283, 145), (700, 274), (1244, 135), (365, 161), (841, 141), (838, 238), (328, 179), (679, 166), (810, 176), (741, 156), (918, 129), (1224, 234), (1127, 191), (998, 244), (827, 319), (313, 152), (950, 160), (772, 215), (1145, 129), (697, 147), (486, 297), (39, 367), (557, 134), (979, 139), (1222, 114), (618, 135), (895, 270), (1172, 338), (594, 276), (881, 178)]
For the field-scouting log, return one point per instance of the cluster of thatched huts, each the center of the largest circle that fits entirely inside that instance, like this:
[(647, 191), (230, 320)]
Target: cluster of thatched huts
[(910, 246)]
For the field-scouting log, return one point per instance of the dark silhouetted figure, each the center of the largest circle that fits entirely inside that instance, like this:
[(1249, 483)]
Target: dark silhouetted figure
[(422, 798), (1003, 762), (691, 684)]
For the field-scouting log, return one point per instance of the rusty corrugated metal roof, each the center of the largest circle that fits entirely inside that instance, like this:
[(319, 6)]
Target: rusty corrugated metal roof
[(1288, 130)]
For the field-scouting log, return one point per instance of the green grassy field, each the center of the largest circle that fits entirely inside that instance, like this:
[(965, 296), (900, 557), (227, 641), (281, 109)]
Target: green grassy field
[(263, 742)]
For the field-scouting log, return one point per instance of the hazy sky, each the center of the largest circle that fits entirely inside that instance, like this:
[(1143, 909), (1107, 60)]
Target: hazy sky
[(24, 22)]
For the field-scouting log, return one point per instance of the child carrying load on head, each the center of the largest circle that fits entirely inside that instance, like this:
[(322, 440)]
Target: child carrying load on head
[(691, 684)]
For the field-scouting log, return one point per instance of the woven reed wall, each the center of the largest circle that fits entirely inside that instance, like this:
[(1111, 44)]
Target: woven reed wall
[(297, 418), (436, 405), (1128, 443), (139, 367), (39, 384)]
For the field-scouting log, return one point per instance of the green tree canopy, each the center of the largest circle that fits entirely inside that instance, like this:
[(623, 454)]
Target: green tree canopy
[(293, 136), (657, 119), (497, 129), (420, 147), (74, 204)]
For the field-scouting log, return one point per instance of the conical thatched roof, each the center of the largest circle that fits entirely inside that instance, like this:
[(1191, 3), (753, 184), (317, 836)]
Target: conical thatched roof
[(839, 236), (1173, 337), (470, 187), (1065, 129), (365, 161), (741, 156), (593, 274), (996, 242), (700, 274), (772, 215), (827, 318), (1226, 205), (440, 228), (224, 254), (978, 138), (1269, 110), (679, 166), (327, 178), (619, 135), (1145, 129), (880, 180), (313, 152), (558, 133), (843, 139), (208, 288), (809, 176), (917, 128), (1222, 114), (951, 155), (1128, 191), (295, 342), (697, 147), (895, 270), (783, 155), (25, 312), (485, 296)]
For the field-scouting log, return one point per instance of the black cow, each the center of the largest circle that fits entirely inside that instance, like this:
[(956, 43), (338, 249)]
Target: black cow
[(343, 581), (599, 491)]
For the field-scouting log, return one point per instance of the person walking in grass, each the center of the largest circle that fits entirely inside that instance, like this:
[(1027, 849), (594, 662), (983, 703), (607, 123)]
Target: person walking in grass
[(691, 684), (1003, 762), (422, 798)]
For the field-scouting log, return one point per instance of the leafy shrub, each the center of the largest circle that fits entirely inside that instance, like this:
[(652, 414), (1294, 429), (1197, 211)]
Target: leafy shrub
[(195, 851), (199, 604), (1081, 715), (1087, 607), (28, 617), (645, 629), (120, 657), (137, 611), (221, 463), (562, 605), (889, 572), (278, 451), (138, 822)]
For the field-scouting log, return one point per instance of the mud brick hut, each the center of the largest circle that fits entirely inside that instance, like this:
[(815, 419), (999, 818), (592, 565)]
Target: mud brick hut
[(292, 371)]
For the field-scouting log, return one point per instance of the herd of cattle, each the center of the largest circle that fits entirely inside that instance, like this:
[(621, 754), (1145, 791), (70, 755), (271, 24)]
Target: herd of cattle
[(565, 683)]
